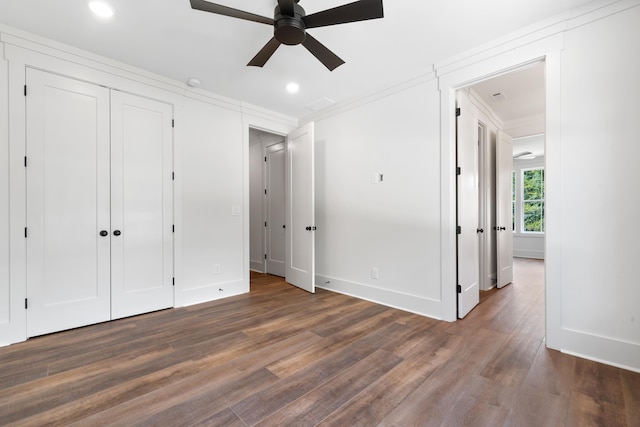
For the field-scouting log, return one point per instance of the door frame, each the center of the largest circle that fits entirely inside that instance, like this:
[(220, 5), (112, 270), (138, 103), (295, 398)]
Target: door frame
[(277, 126), (454, 76)]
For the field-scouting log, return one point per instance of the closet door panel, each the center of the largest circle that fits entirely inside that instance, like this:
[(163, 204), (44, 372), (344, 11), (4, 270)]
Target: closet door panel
[(67, 203), (142, 201)]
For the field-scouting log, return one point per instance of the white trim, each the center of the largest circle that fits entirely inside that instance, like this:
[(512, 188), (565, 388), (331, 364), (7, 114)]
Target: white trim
[(603, 361), (547, 49), (485, 109), (524, 253), (610, 351), (260, 120), (387, 297), (213, 291)]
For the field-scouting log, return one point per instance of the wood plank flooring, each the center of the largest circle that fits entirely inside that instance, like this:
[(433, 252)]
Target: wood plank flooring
[(280, 356)]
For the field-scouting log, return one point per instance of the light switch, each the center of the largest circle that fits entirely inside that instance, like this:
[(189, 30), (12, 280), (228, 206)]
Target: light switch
[(235, 210)]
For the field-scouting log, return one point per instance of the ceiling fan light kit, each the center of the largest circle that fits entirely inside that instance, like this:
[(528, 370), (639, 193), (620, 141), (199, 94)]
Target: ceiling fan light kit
[(290, 24)]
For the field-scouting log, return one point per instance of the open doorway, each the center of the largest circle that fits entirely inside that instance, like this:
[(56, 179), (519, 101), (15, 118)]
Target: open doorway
[(282, 205), (267, 202), (507, 110)]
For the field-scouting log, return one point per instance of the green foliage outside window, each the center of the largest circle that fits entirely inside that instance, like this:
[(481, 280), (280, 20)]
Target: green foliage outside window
[(533, 200)]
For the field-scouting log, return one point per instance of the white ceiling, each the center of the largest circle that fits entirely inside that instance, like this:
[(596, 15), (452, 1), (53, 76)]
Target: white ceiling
[(169, 38), (521, 106), (522, 94)]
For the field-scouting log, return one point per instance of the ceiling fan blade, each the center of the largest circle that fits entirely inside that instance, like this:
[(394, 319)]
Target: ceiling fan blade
[(265, 53), (229, 11), (352, 12), (320, 51), (286, 7)]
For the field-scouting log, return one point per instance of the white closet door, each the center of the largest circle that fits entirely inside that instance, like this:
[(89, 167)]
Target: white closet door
[(67, 203), (141, 205)]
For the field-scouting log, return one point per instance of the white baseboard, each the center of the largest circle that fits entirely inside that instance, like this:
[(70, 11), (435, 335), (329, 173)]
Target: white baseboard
[(256, 266), (610, 351), (212, 291), (411, 303), (528, 253)]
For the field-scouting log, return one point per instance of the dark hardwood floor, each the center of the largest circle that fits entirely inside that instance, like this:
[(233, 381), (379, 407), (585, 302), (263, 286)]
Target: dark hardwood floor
[(280, 356)]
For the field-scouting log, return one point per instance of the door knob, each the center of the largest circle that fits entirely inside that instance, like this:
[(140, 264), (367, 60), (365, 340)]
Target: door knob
[(104, 233), (308, 228), (503, 228), (480, 230), (116, 232)]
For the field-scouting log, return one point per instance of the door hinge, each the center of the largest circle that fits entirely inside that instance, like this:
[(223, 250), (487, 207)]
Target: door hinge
[(173, 176), (459, 289), (265, 256), (265, 223), (265, 191), (458, 170), (458, 230), (173, 281), (457, 112), (25, 232), (173, 123), (26, 303), (25, 90), (265, 159), (25, 161), (173, 228)]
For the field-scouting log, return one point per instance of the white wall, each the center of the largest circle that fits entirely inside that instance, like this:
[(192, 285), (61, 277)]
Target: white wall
[(600, 201), (406, 225), (211, 181), (393, 226)]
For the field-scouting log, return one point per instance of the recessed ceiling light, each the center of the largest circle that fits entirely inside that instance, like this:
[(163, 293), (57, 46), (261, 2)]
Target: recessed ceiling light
[(101, 8), (293, 87)]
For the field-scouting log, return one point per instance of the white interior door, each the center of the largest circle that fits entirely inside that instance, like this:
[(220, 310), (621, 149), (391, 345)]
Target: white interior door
[(141, 205), (300, 209), (67, 203), (276, 218), (504, 195), (467, 206)]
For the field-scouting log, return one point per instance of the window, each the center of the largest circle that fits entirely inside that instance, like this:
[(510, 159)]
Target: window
[(533, 200)]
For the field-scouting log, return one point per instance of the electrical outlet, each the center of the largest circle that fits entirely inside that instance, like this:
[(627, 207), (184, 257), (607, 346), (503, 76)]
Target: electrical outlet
[(374, 273), (376, 178)]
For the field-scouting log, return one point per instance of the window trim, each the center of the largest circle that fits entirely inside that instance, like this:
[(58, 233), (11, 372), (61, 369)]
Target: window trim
[(519, 168)]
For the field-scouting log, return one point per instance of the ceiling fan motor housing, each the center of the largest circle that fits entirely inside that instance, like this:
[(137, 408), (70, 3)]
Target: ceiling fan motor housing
[(290, 30)]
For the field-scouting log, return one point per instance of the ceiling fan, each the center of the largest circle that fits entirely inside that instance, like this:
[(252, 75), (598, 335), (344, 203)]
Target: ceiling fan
[(290, 24)]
